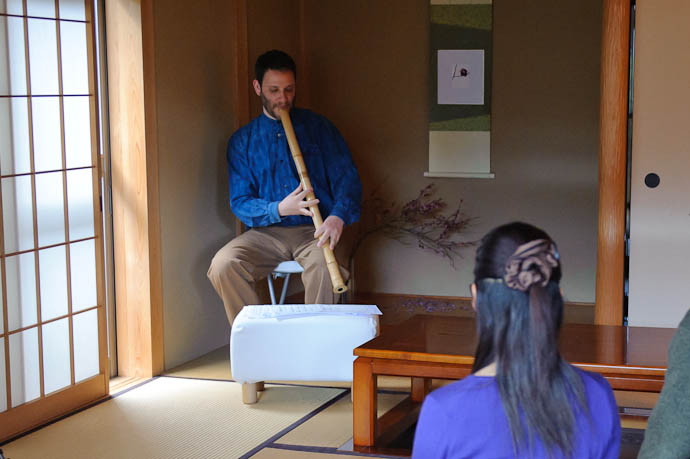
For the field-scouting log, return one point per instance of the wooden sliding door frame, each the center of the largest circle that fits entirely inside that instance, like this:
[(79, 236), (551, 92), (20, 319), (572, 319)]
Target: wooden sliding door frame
[(55, 402)]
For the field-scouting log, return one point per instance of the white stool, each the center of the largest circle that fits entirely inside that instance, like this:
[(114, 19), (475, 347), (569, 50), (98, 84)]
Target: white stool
[(312, 347), (284, 269)]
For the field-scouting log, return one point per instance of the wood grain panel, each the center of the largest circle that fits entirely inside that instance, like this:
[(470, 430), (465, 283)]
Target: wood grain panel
[(303, 56), (98, 174), (420, 388), (397, 420), (422, 369), (428, 346), (612, 163), (153, 199), (241, 83), (364, 394), (134, 180), (42, 410)]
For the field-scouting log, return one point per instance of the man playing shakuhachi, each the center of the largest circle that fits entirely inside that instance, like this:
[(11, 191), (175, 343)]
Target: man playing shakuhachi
[(266, 194)]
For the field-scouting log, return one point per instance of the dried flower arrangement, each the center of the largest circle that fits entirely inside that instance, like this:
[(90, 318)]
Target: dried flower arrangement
[(419, 221)]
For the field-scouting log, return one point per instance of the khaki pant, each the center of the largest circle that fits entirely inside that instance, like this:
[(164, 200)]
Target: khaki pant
[(252, 256)]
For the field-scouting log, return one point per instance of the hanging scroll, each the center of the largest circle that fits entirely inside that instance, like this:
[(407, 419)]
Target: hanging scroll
[(460, 88)]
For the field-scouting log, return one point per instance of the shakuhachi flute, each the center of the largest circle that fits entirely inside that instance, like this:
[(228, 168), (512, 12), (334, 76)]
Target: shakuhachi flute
[(331, 262)]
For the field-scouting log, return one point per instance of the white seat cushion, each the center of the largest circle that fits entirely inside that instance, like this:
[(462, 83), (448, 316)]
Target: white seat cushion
[(288, 267), (297, 348)]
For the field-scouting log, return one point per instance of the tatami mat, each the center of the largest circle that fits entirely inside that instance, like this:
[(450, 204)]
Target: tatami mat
[(332, 427), (198, 412), (173, 418), (216, 366)]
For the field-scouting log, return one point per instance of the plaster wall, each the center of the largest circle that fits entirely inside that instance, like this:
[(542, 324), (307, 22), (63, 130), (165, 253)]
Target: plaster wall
[(271, 24), (194, 75), (368, 66), (363, 64)]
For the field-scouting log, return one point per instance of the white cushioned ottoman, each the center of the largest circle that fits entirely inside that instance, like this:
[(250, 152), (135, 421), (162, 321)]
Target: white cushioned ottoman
[(298, 343)]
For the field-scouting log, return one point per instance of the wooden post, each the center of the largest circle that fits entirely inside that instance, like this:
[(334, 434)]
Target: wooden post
[(134, 159), (364, 416), (420, 387), (241, 86), (613, 115)]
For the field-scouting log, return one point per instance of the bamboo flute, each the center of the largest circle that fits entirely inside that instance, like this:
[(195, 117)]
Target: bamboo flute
[(331, 262)]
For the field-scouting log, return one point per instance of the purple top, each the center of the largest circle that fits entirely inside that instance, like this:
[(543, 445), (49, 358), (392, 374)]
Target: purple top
[(466, 419)]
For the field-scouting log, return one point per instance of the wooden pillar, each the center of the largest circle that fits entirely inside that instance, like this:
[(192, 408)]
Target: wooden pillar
[(302, 58), (134, 160), (241, 86), (420, 388), (612, 162)]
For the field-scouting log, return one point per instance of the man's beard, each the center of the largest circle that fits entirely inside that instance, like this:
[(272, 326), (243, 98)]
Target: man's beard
[(271, 109)]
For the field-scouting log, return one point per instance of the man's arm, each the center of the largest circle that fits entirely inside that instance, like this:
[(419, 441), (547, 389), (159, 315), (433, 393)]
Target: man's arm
[(669, 424), (346, 187), (245, 202), (244, 196)]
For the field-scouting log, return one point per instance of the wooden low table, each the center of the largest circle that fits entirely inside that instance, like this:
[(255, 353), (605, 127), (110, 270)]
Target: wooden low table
[(425, 347)]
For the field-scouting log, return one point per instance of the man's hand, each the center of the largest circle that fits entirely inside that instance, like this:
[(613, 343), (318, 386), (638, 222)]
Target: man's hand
[(294, 203), (331, 229)]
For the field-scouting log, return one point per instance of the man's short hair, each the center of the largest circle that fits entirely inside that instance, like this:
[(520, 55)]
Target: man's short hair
[(273, 60)]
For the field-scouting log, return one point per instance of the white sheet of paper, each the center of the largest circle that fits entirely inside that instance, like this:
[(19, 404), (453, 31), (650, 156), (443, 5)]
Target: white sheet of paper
[(460, 77), (282, 311)]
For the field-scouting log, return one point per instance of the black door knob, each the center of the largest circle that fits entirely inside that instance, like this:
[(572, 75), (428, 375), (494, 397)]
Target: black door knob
[(652, 180)]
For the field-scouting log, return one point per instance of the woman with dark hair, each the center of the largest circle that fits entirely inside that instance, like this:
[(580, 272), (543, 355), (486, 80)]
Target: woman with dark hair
[(522, 399)]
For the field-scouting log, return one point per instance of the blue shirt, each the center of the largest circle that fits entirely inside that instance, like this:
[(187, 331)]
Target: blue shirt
[(466, 419), (262, 172)]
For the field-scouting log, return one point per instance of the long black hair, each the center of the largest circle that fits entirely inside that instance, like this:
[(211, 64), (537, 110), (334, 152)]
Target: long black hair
[(518, 329)]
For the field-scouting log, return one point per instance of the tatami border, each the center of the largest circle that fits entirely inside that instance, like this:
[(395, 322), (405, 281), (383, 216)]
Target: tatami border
[(297, 423), (272, 383), (324, 450)]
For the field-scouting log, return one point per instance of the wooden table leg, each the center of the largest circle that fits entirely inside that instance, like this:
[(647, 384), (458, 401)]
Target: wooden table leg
[(420, 387), (364, 403)]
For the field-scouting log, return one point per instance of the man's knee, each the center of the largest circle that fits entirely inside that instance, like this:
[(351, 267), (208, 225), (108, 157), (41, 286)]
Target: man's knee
[(318, 268), (315, 265), (227, 264)]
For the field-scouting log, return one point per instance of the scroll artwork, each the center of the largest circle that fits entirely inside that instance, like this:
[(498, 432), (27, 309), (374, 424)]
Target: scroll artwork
[(460, 57)]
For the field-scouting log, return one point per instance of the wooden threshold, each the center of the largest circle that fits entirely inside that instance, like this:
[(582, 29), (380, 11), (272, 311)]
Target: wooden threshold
[(122, 383)]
